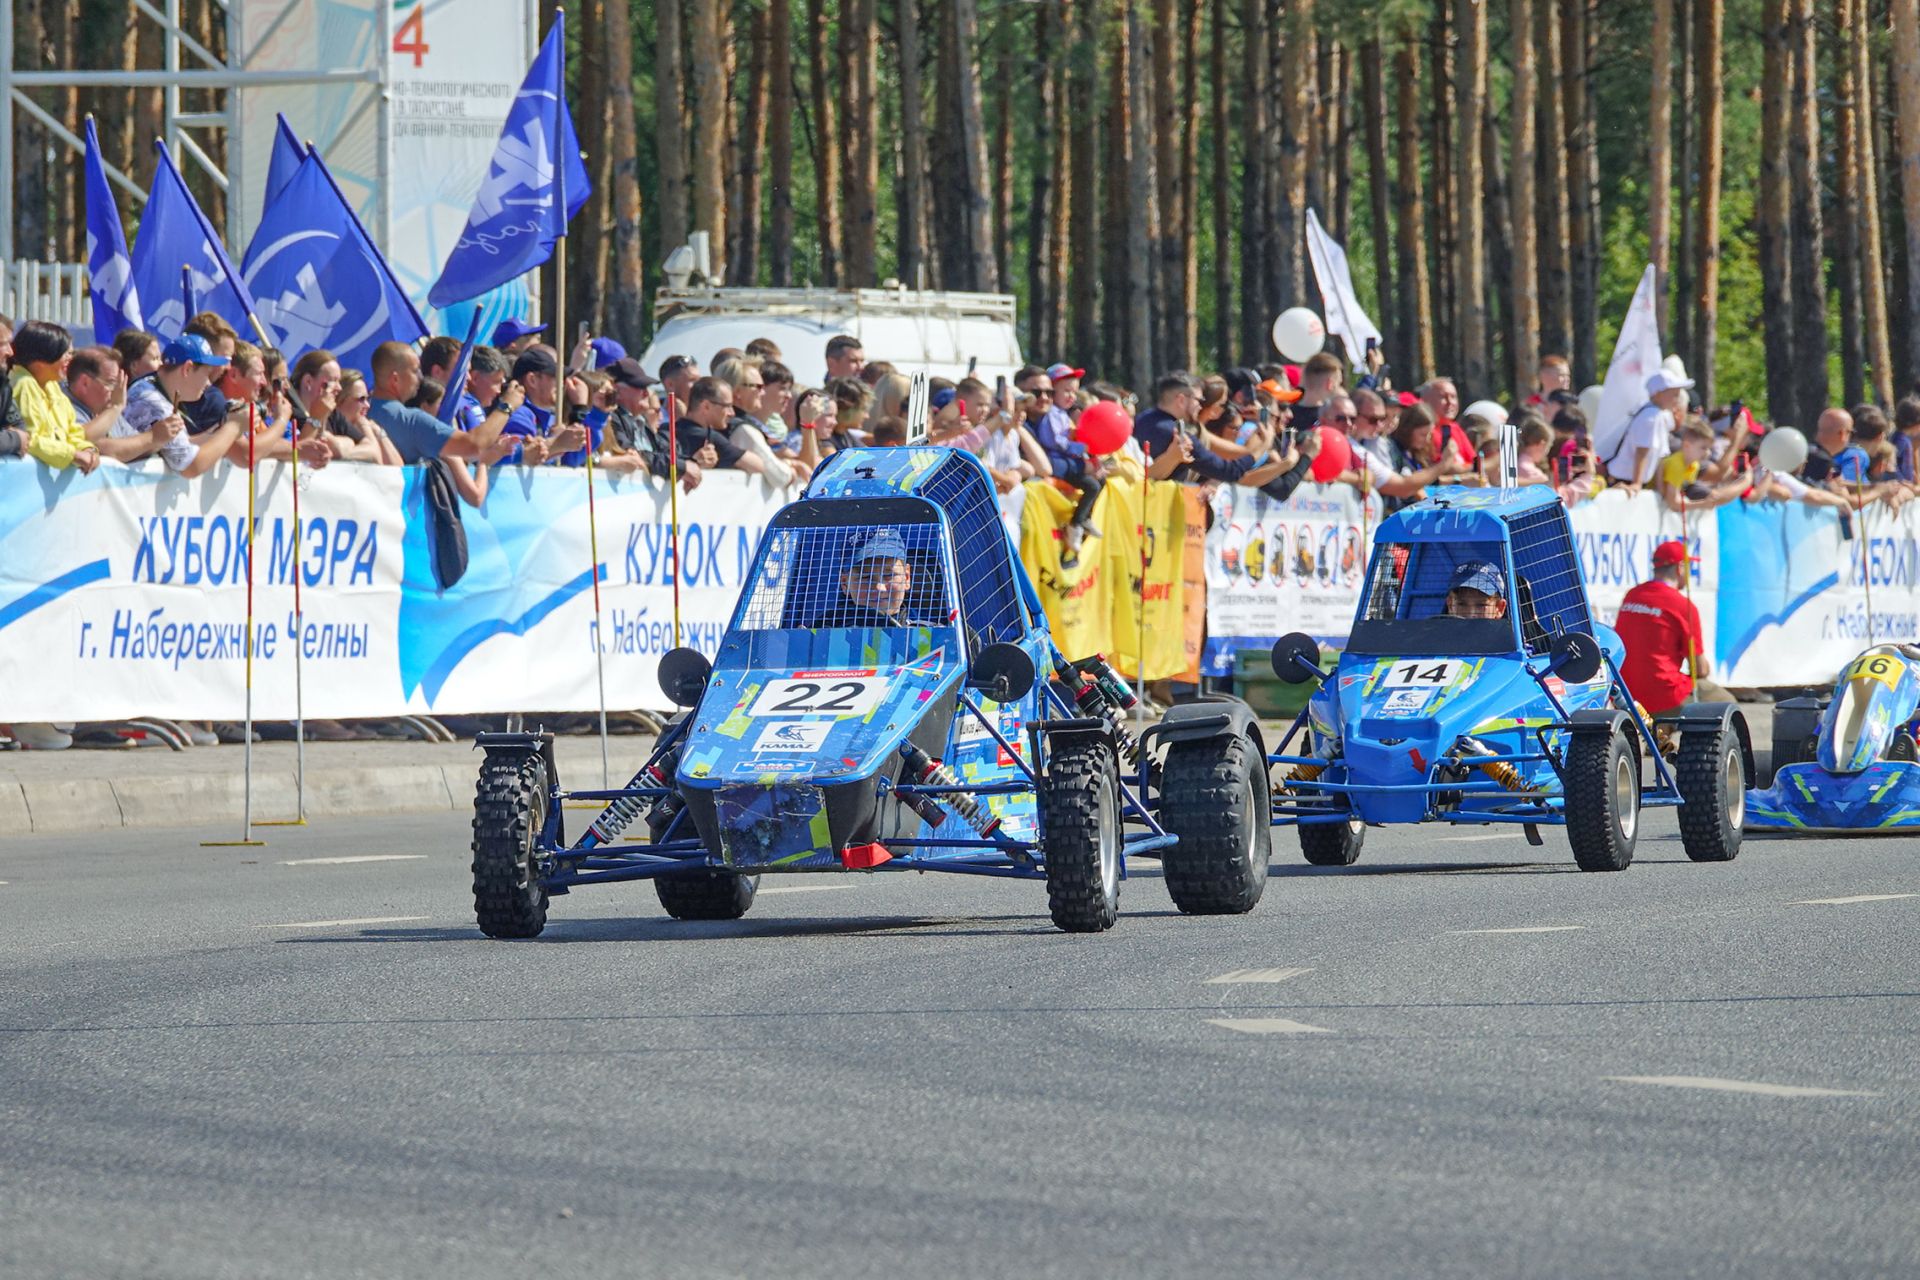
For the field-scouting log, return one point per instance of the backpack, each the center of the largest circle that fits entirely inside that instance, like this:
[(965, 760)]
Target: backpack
[(446, 535)]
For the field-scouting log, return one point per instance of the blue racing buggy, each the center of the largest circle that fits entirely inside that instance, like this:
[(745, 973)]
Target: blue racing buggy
[(874, 706), (1846, 761), (1476, 688)]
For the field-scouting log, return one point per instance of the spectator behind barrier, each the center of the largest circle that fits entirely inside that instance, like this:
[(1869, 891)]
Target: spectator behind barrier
[(677, 375), (1320, 381), (54, 436), (537, 426), (1442, 399), (188, 365), (98, 393), (845, 356), (139, 354), (245, 382), (709, 409), (745, 430)]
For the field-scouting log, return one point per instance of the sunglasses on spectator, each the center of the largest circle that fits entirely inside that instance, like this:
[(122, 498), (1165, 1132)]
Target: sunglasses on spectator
[(1341, 417)]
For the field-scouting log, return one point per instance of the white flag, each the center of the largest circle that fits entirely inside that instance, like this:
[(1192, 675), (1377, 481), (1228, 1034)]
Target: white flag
[(1345, 316), (1636, 357)]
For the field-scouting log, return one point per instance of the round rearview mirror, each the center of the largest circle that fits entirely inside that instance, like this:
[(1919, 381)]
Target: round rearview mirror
[(683, 675), (1296, 658), (1004, 672), (1575, 656)]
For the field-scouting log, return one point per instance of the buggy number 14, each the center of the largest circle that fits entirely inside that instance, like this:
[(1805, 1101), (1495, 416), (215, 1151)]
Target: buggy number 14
[(1425, 674)]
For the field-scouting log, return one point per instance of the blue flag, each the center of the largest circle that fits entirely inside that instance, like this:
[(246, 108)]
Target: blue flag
[(175, 234), (526, 200), (457, 377), (287, 155), (116, 303), (320, 281)]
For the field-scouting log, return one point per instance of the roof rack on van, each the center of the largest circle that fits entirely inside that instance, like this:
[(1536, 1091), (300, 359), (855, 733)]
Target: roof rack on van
[(694, 299)]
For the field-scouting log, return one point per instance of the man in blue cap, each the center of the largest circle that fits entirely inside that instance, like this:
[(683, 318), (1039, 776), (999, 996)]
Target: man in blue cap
[(512, 335), (875, 586), (1477, 590)]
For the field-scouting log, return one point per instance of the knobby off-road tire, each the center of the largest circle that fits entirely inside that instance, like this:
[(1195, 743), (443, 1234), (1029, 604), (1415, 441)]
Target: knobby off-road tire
[(706, 895), (1081, 837), (1603, 800), (509, 809), (1213, 796), (1332, 844), (1712, 774)]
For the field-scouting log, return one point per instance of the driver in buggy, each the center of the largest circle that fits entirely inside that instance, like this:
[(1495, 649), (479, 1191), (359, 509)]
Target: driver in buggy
[(1476, 590), (875, 587)]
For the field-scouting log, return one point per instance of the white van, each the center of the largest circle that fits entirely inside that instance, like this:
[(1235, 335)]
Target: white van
[(912, 330)]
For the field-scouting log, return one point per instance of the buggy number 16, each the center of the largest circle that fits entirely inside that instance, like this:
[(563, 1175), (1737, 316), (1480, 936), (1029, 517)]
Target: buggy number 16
[(1425, 674), (826, 693), (1875, 666)]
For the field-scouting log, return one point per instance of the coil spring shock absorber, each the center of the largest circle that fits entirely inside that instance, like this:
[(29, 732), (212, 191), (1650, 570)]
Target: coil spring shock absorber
[(1303, 773), (925, 771), (1499, 770), (1099, 692), (621, 813)]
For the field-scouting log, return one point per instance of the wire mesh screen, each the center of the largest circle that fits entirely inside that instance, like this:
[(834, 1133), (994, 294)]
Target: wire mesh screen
[(830, 576), (1549, 575), (1411, 579), (982, 555)]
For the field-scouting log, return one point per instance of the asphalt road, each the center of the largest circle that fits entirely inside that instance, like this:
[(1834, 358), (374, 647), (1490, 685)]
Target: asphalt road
[(214, 1063)]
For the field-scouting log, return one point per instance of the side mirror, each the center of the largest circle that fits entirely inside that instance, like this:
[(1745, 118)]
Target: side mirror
[(684, 674), (1004, 672), (1296, 658), (1575, 656)]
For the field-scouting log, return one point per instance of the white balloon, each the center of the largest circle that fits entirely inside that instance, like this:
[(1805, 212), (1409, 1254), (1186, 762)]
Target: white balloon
[(1491, 410), (1783, 449), (1298, 334), (1590, 403)]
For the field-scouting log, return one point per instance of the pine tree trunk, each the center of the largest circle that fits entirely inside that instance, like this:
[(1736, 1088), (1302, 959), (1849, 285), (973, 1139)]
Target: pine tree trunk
[(1256, 233), (1580, 209), (1042, 303), (29, 212), (743, 263), (1297, 120), (707, 124), (1708, 30), (1342, 132), (1143, 227), (1060, 161), (1471, 95), (826, 145), (1165, 131), (913, 150), (1000, 181), (1445, 202), (1808, 255), (1873, 280), (1906, 89), (860, 123), (1846, 228), (1772, 216), (1225, 334), (671, 180), (1686, 251), (1185, 324), (1115, 345), (1381, 199), (1524, 346), (626, 301), (1499, 255), (781, 105), (1660, 158), (1413, 297), (975, 185), (591, 244), (1083, 108), (1555, 241)]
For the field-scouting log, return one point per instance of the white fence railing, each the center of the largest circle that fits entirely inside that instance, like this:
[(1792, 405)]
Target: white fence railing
[(55, 291)]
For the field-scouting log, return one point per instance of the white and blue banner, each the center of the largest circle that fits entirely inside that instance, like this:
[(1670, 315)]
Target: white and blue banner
[(125, 592)]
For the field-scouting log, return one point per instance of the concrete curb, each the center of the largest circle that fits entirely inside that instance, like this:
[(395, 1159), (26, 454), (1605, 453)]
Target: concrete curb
[(40, 807)]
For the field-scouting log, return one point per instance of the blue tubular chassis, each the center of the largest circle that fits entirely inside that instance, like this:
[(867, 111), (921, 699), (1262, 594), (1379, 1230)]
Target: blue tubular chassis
[(563, 865)]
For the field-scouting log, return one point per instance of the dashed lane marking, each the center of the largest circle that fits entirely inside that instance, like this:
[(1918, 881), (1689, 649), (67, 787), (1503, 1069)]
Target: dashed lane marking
[(1537, 928), (1259, 975), (1844, 902), (805, 888), (1502, 835), (364, 857), (1718, 1085), (342, 924), (1269, 1026)]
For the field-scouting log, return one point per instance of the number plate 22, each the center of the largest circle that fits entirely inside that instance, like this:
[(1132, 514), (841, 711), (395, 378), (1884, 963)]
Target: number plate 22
[(841, 697)]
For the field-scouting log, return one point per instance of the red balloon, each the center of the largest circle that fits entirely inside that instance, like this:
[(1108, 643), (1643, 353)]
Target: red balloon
[(1103, 427), (1335, 455)]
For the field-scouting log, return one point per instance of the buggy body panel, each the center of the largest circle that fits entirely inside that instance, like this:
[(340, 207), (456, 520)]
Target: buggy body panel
[(1862, 777)]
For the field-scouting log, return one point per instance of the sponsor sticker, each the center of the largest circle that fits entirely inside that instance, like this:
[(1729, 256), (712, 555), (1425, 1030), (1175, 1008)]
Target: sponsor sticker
[(792, 736), (1406, 702)]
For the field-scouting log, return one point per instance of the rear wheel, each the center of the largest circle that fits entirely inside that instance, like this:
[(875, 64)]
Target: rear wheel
[(1080, 836), (1333, 844), (1213, 796), (706, 895), (1712, 774), (509, 810), (1603, 800)]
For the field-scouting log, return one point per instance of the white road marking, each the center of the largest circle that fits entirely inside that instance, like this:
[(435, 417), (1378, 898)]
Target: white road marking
[(1503, 835), (1259, 975), (365, 857), (1538, 928), (1269, 1026), (341, 924), (1842, 902), (1742, 1086), (806, 888)]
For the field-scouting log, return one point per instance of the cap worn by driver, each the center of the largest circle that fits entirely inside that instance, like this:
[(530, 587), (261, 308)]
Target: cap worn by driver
[(510, 331), (1671, 552), (889, 545), (1478, 575), (191, 348)]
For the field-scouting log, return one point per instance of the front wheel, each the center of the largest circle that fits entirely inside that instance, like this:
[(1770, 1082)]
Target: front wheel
[(1603, 800), (509, 810), (1080, 836), (1712, 774), (1214, 799), (1333, 844)]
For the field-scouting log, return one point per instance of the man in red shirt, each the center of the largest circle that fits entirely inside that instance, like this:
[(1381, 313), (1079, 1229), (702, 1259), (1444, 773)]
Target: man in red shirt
[(1661, 629)]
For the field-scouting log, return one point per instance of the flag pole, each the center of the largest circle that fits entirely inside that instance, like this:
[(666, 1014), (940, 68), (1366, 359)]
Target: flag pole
[(673, 504), (299, 818), (246, 786)]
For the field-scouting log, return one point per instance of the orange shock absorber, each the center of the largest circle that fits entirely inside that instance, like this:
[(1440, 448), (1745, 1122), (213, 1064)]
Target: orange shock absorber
[(1303, 773)]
